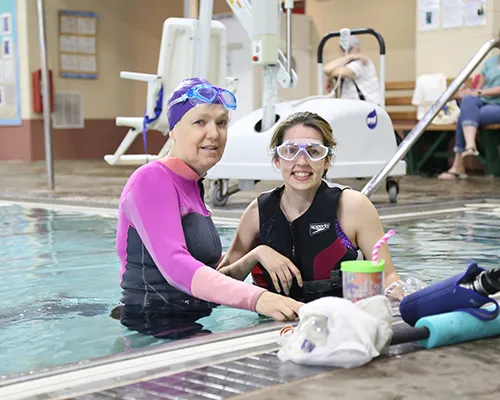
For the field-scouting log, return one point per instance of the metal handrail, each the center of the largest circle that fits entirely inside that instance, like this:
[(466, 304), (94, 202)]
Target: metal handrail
[(419, 128)]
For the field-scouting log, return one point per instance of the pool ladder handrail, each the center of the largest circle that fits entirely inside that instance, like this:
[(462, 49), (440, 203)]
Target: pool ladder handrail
[(419, 128)]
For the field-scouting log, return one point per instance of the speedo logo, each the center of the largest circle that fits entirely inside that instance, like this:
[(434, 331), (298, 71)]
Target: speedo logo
[(314, 229)]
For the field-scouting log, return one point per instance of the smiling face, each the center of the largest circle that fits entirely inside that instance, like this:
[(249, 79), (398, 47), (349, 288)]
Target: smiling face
[(302, 173), (200, 137)]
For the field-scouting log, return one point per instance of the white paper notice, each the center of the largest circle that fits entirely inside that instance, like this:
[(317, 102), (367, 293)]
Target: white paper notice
[(69, 24), (475, 12), (86, 45), (1, 71), (428, 14), (69, 44), (453, 13), (9, 71), (10, 97), (69, 62), (87, 64), (7, 47), (2, 96), (5, 23), (86, 26)]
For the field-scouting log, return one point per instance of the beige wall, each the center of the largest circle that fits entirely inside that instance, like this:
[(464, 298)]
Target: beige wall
[(221, 7), (394, 19), (128, 40), (448, 50)]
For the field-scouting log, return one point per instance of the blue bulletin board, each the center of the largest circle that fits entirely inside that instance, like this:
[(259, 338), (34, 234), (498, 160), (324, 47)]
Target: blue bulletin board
[(10, 101)]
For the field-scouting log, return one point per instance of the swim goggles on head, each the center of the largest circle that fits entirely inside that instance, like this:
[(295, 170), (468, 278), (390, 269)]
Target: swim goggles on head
[(205, 93), (290, 151)]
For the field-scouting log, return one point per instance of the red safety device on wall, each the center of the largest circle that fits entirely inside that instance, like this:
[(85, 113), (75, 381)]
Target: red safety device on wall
[(299, 7), (37, 91)]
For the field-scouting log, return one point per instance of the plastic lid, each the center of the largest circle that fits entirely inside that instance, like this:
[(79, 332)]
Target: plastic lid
[(362, 266)]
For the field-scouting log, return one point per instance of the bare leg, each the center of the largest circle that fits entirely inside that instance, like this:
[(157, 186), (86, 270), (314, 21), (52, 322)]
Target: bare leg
[(456, 171), (470, 133), (458, 164)]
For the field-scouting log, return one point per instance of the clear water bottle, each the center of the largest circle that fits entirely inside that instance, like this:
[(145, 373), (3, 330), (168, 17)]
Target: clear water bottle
[(313, 331), (486, 283)]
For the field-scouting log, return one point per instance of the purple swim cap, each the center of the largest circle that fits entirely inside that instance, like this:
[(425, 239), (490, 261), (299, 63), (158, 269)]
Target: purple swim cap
[(176, 112)]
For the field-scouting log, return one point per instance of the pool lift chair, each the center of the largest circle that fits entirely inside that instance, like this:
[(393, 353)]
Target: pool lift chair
[(364, 131)]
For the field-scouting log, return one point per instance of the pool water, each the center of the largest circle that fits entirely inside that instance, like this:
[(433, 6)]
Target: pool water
[(60, 280)]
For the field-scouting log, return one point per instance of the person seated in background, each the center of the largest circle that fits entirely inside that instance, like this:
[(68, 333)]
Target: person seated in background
[(167, 243), (478, 107), (355, 73), (299, 233)]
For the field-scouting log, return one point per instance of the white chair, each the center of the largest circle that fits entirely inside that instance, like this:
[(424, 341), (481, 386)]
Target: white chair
[(120, 158)]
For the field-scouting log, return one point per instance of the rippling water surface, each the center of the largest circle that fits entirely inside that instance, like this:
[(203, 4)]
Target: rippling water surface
[(59, 280)]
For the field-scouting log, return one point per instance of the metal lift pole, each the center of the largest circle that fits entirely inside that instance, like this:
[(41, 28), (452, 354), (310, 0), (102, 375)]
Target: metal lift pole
[(47, 128)]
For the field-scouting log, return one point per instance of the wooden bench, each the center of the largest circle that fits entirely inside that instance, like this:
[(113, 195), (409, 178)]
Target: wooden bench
[(404, 117)]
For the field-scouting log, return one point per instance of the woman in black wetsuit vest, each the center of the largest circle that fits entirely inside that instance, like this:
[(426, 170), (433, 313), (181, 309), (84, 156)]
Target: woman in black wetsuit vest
[(293, 238)]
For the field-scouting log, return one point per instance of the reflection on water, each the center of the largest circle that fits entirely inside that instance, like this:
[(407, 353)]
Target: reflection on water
[(60, 280), (432, 250)]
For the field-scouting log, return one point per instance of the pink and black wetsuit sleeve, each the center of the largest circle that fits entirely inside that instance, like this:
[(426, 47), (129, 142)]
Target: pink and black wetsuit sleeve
[(168, 246)]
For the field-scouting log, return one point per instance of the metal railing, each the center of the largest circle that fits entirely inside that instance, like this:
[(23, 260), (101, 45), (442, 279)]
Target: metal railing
[(419, 128)]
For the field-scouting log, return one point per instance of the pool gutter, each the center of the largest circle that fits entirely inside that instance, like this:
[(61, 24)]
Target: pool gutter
[(136, 365)]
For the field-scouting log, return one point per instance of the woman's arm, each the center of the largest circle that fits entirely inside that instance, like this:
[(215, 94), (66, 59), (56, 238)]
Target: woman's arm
[(493, 91), (152, 208), (361, 223), (244, 254), (342, 61), (490, 92), (344, 66), (344, 72), (339, 62)]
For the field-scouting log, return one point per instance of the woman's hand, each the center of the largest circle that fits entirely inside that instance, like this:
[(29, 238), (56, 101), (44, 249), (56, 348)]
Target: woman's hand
[(465, 92), (280, 268), (364, 59), (277, 307), (395, 292)]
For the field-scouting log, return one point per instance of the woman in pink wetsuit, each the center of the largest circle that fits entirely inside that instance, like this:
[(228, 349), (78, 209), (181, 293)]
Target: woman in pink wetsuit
[(166, 240)]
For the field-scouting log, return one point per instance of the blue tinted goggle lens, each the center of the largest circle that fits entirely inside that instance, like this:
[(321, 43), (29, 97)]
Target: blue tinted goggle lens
[(210, 94), (228, 98)]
